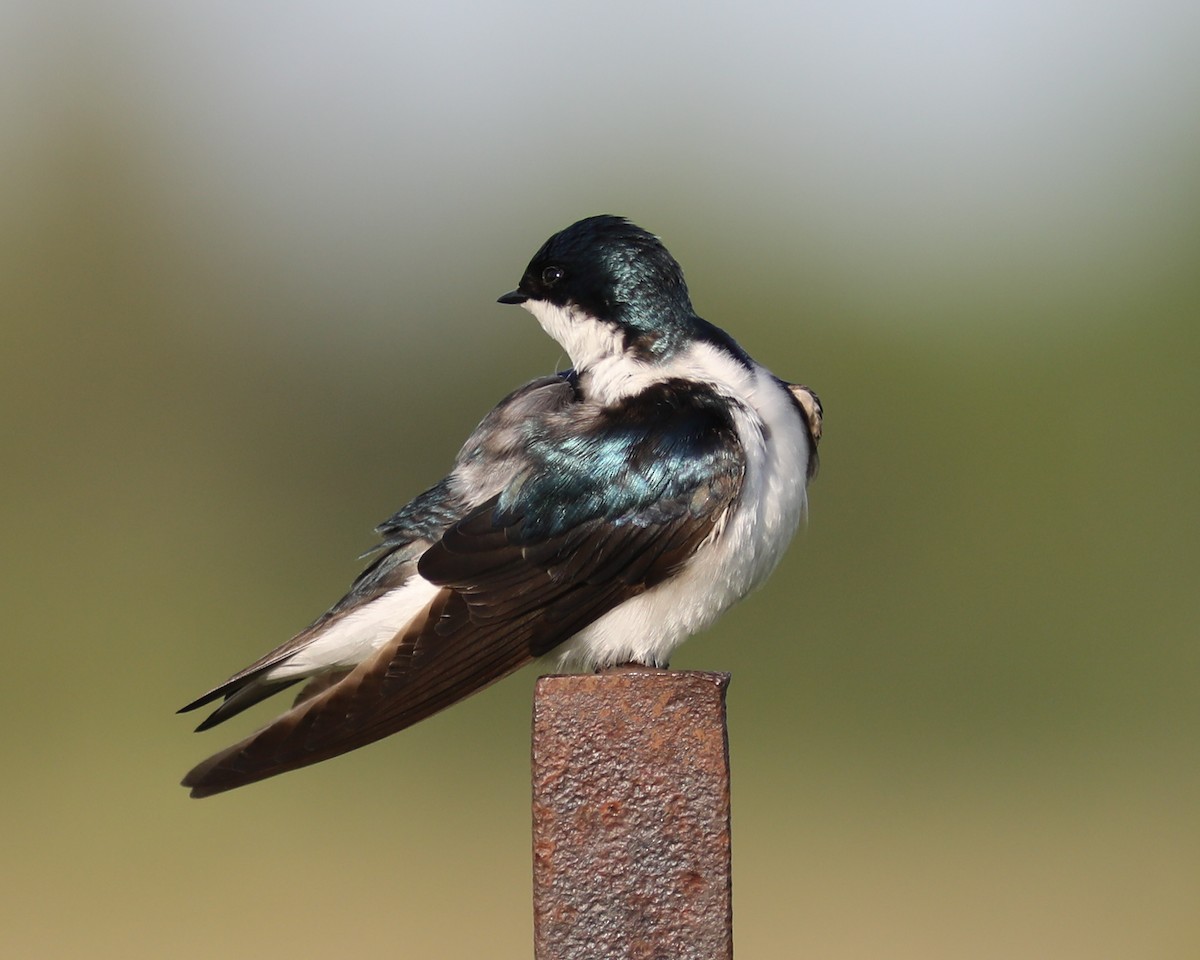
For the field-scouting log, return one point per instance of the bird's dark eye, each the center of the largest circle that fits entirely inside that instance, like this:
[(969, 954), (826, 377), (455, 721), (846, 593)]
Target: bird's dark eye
[(551, 275)]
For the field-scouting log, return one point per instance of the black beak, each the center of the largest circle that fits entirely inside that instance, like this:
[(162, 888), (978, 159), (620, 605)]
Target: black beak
[(515, 296)]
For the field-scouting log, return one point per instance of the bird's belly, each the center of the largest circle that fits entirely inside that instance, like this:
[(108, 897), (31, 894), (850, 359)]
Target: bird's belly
[(746, 546)]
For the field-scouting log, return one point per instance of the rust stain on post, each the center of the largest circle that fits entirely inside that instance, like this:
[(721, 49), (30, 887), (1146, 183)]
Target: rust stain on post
[(631, 850)]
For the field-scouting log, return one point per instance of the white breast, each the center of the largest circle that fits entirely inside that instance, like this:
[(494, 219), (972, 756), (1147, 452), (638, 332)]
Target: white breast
[(748, 542)]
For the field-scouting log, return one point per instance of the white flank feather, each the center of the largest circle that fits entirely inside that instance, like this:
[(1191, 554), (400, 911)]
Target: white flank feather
[(351, 639)]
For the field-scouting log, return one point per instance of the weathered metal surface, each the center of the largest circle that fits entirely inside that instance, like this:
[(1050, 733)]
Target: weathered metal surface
[(631, 850)]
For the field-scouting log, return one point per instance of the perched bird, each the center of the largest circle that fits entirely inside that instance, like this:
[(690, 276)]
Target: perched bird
[(602, 514)]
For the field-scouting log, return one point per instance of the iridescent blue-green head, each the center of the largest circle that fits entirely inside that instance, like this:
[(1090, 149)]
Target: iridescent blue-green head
[(604, 285)]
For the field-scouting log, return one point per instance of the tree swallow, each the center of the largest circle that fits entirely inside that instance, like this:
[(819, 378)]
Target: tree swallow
[(602, 515)]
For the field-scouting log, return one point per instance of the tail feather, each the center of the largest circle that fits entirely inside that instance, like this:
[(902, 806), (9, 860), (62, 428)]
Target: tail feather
[(419, 672), (319, 684), (254, 691)]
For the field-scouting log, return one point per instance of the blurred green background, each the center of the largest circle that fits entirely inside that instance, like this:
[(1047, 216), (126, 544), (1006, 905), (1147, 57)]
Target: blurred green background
[(249, 254)]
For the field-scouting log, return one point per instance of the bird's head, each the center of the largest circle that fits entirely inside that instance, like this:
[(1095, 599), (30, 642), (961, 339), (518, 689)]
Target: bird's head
[(604, 286)]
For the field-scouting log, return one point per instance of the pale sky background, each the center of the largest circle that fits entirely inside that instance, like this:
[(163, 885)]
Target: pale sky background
[(347, 144)]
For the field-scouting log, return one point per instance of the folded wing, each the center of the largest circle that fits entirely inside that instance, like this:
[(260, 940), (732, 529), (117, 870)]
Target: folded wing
[(601, 514)]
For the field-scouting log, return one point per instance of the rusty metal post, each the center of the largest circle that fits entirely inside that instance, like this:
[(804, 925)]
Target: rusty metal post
[(631, 850)]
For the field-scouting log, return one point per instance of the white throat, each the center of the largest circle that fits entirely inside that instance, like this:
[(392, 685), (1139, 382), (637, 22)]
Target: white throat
[(588, 341)]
